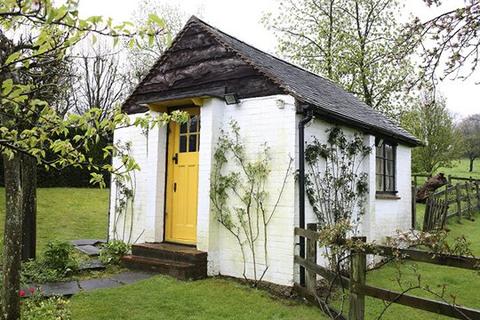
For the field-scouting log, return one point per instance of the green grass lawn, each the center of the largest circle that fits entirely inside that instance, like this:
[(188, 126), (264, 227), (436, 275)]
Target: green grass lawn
[(82, 213), (71, 213), (67, 214), (165, 298)]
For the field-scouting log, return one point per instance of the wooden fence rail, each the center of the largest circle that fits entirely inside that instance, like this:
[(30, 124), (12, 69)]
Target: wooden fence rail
[(356, 282), (415, 177), (450, 178)]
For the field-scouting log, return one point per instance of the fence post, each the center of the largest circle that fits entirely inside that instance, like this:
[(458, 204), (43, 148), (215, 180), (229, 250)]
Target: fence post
[(414, 206), (459, 201), (477, 189), (426, 216), (358, 269), (311, 280), (469, 201), (449, 179)]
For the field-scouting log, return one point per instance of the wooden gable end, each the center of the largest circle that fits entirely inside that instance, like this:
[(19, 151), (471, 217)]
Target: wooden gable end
[(198, 65)]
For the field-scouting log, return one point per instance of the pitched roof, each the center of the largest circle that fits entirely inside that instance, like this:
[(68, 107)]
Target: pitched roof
[(326, 97)]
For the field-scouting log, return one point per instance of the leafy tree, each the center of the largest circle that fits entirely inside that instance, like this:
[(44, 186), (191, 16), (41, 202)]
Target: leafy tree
[(451, 40), (470, 130), (356, 43), (430, 121), (34, 33), (140, 58)]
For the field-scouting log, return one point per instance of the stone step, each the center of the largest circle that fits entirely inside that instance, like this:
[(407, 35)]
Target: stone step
[(169, 251), (177, 269)]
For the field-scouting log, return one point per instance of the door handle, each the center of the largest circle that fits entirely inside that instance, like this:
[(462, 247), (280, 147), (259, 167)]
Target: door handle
[(175, 158), (174, 187)]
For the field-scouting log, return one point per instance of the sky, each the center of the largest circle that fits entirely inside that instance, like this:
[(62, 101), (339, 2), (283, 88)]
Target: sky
[(242, 19)]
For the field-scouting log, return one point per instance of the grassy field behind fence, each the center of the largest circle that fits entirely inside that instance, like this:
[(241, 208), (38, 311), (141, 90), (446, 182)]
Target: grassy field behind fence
[(459, 169)]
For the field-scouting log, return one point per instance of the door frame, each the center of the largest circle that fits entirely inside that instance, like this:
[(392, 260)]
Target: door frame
[(192, 105)]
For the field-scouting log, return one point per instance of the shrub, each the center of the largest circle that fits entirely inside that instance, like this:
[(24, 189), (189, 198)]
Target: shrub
[(57, 262), (34, 271), (113, 251), (59, 257), (45, 309)]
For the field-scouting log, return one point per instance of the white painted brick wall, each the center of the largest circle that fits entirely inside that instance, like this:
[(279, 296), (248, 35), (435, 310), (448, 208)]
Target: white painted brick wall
[(260, 120), (211, 122), (149, 153)]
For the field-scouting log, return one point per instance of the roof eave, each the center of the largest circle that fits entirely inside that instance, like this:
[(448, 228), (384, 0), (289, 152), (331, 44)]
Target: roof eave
[(351, 122)]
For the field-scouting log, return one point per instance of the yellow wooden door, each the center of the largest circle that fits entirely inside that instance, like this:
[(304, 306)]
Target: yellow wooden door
[(182, 179)]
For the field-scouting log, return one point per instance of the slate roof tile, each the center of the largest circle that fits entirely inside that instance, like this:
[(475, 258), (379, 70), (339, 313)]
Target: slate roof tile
[(311, 88), (324, 95)]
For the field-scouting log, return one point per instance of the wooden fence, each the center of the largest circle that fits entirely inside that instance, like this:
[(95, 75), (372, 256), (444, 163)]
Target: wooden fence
[(422, 177), (461, 200), (417, 176), (356, 282)]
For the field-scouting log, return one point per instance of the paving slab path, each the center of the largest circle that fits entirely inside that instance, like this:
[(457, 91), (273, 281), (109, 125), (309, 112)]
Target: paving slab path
[(90, 247), (69, 288)]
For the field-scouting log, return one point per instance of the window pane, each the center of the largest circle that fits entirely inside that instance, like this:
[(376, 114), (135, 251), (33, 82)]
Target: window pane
[(183, 144), (389, 152), (183, 128), (192, 143), (390, 184), (390, 168), (379, 152), (194, 124), (379, 182), (379, 166)]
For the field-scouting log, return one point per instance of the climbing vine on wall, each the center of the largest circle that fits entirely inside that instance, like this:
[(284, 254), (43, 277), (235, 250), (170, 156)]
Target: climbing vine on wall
[(125, 188), (335, 185), (241, 202)]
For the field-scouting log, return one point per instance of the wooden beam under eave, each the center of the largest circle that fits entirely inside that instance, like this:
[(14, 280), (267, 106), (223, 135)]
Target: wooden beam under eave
[(164, 105)]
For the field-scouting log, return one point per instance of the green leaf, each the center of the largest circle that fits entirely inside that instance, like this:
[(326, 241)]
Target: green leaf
[(151, 39), (7, 86), (157, 20), (60, 12), (131, 43), (11, 58)]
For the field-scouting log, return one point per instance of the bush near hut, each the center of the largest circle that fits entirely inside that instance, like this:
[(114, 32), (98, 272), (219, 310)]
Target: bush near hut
[(112, 251), (57, 262)]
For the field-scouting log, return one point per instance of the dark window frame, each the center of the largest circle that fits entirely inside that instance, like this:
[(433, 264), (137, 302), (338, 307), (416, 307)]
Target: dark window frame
[(385, 161)]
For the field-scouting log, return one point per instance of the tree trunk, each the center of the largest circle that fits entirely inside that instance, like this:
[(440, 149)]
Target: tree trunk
[(471, 164), (12, 237), (29, 230), (429, 187)]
